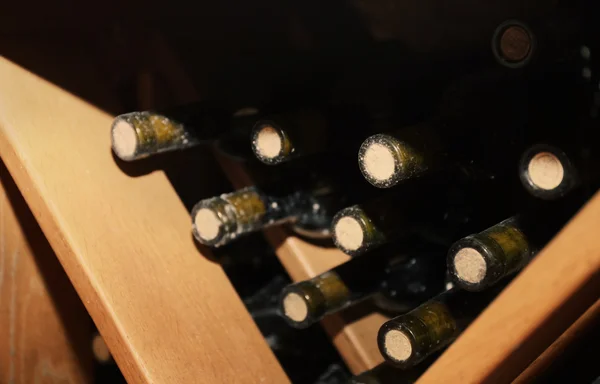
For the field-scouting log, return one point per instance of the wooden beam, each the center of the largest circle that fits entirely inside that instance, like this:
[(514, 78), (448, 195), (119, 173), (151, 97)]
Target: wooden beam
[(44, 328), (167, 313), (532, 312), (588, 321)]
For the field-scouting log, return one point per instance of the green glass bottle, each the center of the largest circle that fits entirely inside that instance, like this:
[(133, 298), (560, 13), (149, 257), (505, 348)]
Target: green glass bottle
[(408, 339), (386, 159), (417, 266), (137, 135), (221, 219), (481, 260)]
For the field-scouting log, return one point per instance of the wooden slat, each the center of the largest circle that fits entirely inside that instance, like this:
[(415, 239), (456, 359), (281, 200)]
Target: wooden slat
[(356, 341), (532, 312), (44, 328), (588, 321), (167, 313)]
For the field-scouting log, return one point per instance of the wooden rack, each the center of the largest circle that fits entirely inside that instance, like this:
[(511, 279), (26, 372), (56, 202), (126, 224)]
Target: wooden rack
[(169, 315)]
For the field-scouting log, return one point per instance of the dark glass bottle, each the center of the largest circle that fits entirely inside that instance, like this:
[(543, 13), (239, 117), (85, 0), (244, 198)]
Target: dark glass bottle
[(451, 206), (221, 219), (137, 135), (549, 40), (481, 260), (281, 137), (386, 159), (408, 339), (417, 266), (547, 172)]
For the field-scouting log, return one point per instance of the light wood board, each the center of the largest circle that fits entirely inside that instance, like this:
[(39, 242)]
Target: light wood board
[(44, 328), (167, 313)]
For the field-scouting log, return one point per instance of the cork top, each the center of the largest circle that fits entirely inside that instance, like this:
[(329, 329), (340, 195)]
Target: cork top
[(379, 162), (268, 142), (294, 307), (397, 345), (470, 266), (349, 233), (100, 349), (545, 171), (124, 139), (207, 223), (515, 43)]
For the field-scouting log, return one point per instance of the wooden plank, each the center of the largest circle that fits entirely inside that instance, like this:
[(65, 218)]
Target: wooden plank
[(356, 341), (168, 314), (588, 321), (44, 328), (532, 312)]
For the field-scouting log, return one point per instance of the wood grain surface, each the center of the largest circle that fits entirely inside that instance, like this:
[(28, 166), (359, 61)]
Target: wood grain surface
[(547, 297), (44, 328), (355, 338), (168, 314)]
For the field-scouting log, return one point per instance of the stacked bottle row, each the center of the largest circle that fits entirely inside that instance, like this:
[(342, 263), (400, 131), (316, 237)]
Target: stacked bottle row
[(438, 215)]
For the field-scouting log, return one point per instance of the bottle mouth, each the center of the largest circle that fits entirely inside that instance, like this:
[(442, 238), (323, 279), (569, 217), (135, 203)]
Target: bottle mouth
[(546, 172), (397, 345), (210, 223), (379, 161), (353, 231), (270, 143), (349, 234), (125, 140), (295, 307), (513, 44), (470, 265)]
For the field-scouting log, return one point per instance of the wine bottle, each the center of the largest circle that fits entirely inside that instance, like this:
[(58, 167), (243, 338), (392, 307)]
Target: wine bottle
[(386, 159), (513, 44), (137, 135), (472, 126), (219, 220), (416, 265), (549, 40), (482, 259), (547, 172), (408, 339), (451, 205), (281, 137)]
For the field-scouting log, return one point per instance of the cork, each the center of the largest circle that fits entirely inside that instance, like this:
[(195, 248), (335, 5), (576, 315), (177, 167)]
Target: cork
[(545, 171), (268, 142), (349, 233), (470, 266), (379, 162), (397, 345), (294, 307), (515, 43), (124, 139), (100, 350), (207, 224)]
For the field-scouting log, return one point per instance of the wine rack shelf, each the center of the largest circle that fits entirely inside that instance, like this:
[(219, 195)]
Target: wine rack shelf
[(169, 315)]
